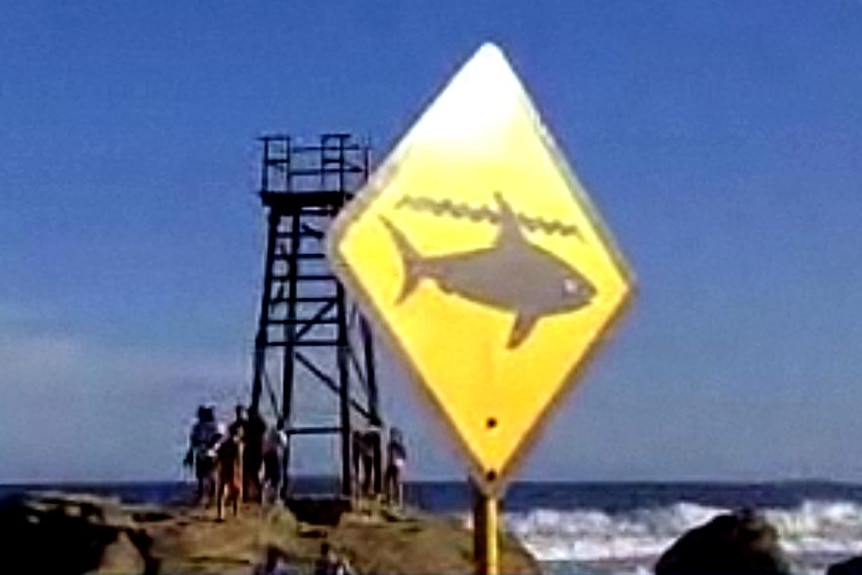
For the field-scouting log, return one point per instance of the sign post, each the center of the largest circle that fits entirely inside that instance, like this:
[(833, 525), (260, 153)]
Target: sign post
[(486, 541), (479, 257)]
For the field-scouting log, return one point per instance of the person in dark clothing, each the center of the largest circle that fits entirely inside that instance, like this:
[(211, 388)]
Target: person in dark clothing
[(240, 420), (365, 459), (255, 430), (229, 472), (201, 455), (367, 464), (373, 462)]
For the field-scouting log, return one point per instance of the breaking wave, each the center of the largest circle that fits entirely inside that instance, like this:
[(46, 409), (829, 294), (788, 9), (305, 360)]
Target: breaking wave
[(815, 529)]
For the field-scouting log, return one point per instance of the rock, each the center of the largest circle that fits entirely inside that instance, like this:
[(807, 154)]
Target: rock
[(740, 543), (850, 567), (53, 536), (121, 557), (65, 534), (143, 543), (419, 544)]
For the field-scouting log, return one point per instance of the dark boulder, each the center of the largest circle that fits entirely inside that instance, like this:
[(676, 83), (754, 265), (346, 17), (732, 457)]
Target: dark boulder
[(318, 510), (849, 567), (67, 536), (740, 543)]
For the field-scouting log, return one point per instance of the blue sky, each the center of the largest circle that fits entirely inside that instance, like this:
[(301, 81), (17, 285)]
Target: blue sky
[(720, 140)]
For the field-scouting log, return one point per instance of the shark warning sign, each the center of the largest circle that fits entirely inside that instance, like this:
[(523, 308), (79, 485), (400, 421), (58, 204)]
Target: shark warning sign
[(478, 255)]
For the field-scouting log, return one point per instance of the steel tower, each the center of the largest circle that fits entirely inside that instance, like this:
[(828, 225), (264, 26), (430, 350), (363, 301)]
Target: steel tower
[(308, 332)]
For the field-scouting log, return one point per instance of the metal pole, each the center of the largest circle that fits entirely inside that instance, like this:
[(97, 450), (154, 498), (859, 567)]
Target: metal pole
[(287, 367), (485, 534)]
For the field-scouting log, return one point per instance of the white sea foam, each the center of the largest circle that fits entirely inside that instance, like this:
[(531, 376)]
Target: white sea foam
[(636, 538)]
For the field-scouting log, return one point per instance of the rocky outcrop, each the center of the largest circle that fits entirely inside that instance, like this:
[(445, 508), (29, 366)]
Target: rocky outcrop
[(66, 534), (740, 543), (850, 567), (121, 556), (53, 533), (420, 546)]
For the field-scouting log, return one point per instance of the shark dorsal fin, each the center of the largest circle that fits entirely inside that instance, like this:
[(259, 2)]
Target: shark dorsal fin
[(510, 226)]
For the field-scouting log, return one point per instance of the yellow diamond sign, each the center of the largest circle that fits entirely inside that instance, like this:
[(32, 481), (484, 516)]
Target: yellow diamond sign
[(477, 252)]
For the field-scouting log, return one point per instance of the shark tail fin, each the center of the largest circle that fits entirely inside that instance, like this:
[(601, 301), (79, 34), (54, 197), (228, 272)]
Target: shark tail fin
[(411, 260)]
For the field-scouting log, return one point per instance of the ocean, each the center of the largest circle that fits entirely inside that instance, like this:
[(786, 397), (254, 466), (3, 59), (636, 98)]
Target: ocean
[(614, 528)]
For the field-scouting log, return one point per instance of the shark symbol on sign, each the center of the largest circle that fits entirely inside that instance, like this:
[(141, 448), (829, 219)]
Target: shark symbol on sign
[(512, 275)]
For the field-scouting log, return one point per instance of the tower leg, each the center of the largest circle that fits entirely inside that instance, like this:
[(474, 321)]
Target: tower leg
[(343, 360), (373, 400), (290, 336), (260, 341)]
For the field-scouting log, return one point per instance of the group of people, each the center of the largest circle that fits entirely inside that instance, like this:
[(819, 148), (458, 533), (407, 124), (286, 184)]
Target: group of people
[(368, 464), (240, 461)]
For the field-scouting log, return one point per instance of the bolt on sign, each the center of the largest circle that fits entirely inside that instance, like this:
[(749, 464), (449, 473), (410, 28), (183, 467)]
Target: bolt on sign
[(476, 250)]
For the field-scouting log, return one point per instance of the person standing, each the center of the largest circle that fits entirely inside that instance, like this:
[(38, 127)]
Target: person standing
[(274, 445), (396, 458), (229, 472), (252, 457), (367, 464), (237, 426), (373, 462), (201, 455), (237, 429)]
